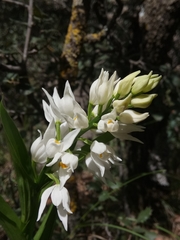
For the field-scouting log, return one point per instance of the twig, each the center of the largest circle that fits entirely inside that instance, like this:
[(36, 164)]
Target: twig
[(10, 68), (138, 63), (28, 33), (29, 25), (17, 3)]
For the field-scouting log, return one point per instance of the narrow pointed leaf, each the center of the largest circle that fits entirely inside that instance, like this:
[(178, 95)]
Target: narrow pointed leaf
[(45, 230), (21, 163), (19, 153), (9, 221)]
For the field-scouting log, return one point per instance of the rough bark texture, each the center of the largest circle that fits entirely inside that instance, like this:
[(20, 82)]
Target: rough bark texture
[(160, 22)]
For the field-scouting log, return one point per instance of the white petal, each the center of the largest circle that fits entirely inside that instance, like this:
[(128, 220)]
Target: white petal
[(131, 116), (64, 175), (56, 195), (56, 97), (68, 91), (50, 132), (55, 159), (70, 159), (41, 155), (54, 108), (53, 147), (125, 136), (44, 199), (51, 101), (35, 144), (81, 121), (63, 216), (102, 126), (128, 128), (69, 139), (47, 111), (67, 106), (66, 200), (92, 166), (101, 163), (112, 115), (98, 147), (64, 129)]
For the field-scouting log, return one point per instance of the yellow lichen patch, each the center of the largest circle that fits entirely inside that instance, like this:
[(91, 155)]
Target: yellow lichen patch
[(73, 42)]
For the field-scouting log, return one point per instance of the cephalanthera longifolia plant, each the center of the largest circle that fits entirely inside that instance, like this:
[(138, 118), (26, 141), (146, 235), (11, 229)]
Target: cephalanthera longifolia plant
[(110, 114)]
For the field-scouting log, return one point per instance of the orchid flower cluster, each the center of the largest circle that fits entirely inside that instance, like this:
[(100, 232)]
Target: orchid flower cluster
[(110, 114)]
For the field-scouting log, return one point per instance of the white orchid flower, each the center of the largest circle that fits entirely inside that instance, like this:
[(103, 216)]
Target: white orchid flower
[(102, 89), (60, 198), (100, 159), (65, 164), (66, 108), (54, 146), (125, 129), (92, 166), (108, 122), (38, 147), (38, 150)]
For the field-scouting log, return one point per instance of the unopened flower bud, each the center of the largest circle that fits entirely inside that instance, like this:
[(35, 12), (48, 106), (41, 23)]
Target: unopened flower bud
[(38, 150), (123, 87), (143, 100), (121, 105), (130, 116), (140, 83), (153, 81)]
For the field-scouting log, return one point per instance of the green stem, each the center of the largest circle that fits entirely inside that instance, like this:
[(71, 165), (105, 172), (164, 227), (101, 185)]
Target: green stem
[(168, 232), (110, 226), (58, 131), (90, 107), (100, 109)]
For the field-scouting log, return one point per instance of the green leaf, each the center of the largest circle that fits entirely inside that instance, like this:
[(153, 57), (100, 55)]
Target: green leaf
[(150, 235), (144, 215), (105, 137), (104, 196), (21, 157), (21, 163), (114, 199), (45, 230), (9, 221), (139, 229)]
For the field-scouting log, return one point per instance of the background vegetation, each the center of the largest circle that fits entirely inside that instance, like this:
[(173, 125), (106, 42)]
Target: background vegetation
[(44, 43)]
